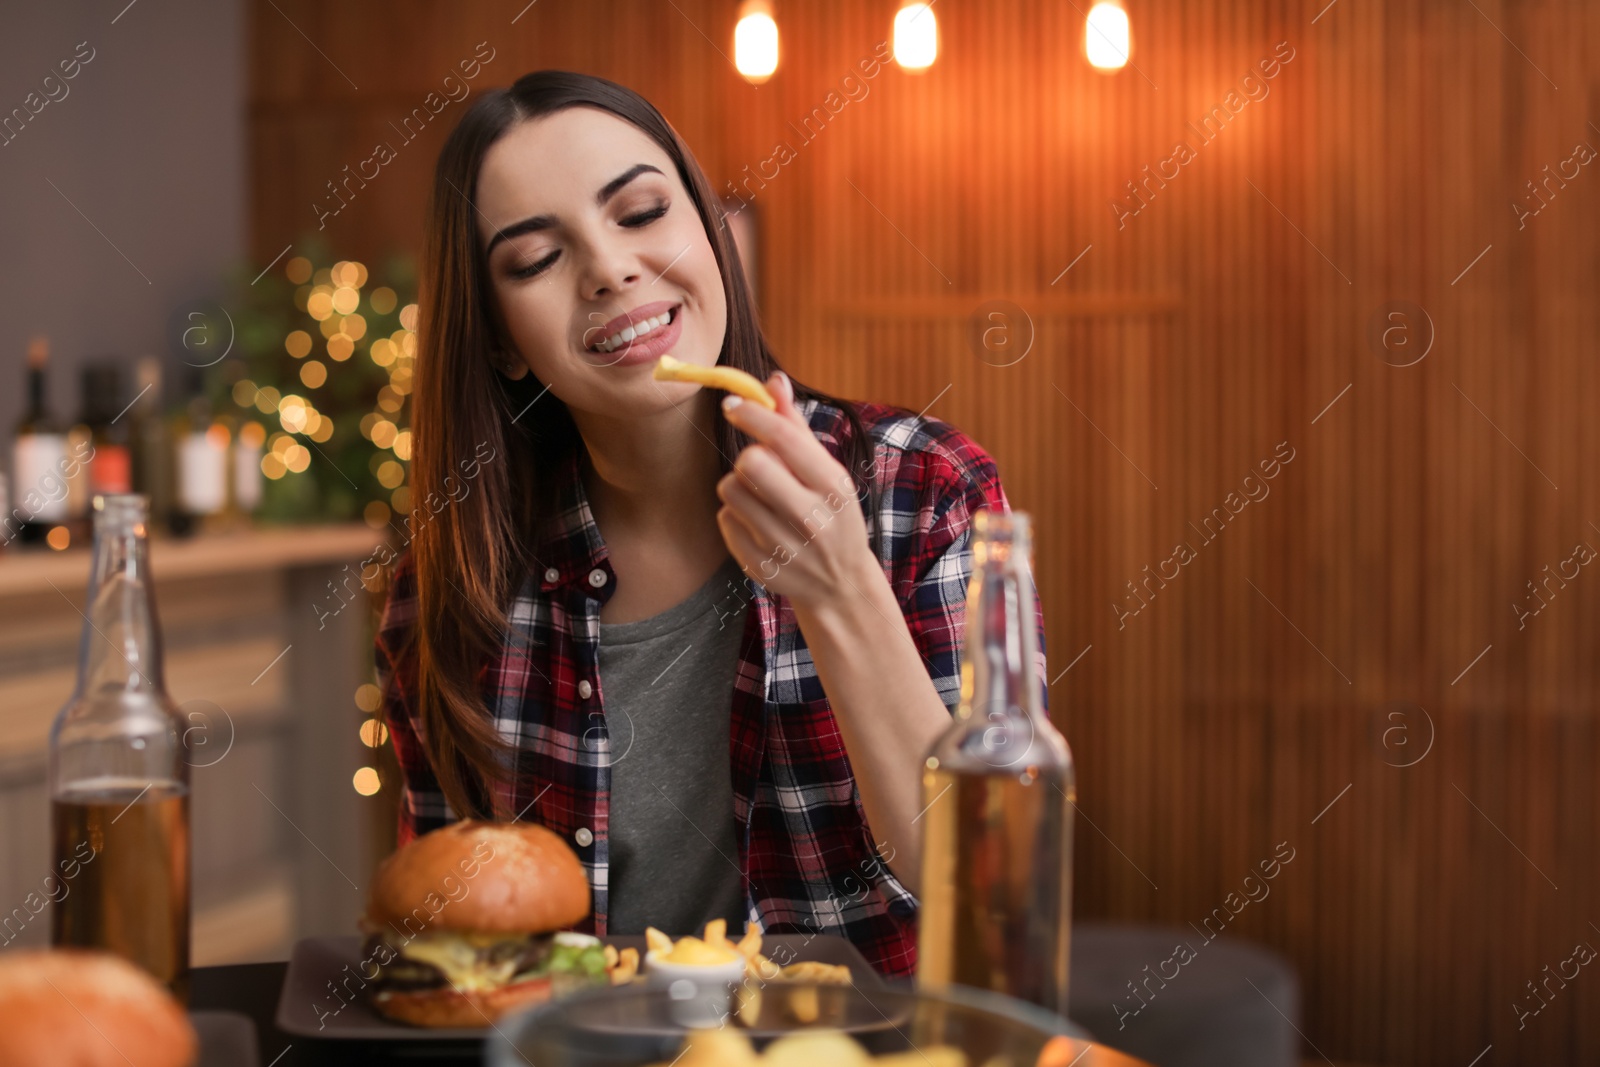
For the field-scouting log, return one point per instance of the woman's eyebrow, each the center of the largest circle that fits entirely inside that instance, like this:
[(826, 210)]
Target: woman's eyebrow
[(535, 223)]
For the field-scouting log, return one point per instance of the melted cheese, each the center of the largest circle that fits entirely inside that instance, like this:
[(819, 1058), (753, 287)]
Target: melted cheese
[(456, 956), (696, 953)]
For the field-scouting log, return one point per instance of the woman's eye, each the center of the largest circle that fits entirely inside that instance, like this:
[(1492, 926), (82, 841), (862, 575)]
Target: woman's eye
[(645, 218), (535, 268)]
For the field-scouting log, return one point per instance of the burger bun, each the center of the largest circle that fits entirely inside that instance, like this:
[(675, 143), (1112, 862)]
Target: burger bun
[(483, 877), (77, 1008), (448, 1009)]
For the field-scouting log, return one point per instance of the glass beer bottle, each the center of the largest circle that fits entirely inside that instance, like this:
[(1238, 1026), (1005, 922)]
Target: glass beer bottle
[(998, 791), (119, 785)]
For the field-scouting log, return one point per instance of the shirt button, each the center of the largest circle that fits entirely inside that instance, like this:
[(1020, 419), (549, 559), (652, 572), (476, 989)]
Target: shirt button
[(583, 837), (551, 575), (585, 690), (597, 577)]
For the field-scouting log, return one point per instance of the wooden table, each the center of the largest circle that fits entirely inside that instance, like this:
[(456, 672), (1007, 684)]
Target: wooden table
[(252, 989)]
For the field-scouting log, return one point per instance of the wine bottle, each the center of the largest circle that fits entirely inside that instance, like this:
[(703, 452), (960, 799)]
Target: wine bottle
[(111, 469), (998, 796), (39, 460)]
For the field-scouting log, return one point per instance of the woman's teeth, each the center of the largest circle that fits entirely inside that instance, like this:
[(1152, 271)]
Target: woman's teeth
[(634, 333)]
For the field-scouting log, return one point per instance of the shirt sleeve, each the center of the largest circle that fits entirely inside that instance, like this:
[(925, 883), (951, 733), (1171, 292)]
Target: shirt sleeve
[(422, 805), (941, 561)]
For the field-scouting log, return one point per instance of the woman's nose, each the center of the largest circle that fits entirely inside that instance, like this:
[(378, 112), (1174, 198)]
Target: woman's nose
[(610, 270)]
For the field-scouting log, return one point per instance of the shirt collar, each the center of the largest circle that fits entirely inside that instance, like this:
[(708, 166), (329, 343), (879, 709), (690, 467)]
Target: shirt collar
[(571, 548)]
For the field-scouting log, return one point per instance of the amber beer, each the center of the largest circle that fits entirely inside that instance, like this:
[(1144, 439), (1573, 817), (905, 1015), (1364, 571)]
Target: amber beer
[(119, 784), (132, 897), (998, 794)]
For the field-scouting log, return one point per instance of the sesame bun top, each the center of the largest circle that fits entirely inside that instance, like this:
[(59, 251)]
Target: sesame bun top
[(485, 877)]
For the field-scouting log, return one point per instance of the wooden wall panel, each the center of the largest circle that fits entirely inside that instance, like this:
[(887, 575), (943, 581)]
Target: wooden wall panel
[(1231, 314)]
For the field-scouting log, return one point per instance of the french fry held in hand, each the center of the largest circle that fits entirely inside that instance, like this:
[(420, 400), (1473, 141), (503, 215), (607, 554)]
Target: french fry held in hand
[(730, 379)]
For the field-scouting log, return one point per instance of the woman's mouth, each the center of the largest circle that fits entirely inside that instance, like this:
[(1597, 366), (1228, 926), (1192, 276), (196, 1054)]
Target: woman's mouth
[(637, 333)]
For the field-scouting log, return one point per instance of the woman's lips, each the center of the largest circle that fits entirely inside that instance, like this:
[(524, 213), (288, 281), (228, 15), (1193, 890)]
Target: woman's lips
[(631, 318), (644, 349)]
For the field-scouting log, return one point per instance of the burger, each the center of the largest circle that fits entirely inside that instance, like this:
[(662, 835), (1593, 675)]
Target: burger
[(465, 924), (88, 1009)]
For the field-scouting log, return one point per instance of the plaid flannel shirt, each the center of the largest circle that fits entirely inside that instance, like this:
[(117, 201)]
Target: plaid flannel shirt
[(809, 862)]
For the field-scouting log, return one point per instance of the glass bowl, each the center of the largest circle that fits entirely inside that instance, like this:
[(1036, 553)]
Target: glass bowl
[(635, 1025)]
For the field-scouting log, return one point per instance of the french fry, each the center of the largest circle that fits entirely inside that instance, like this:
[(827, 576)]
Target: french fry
[(730, 379), (748, 1010), (813, 971), (717, 933), (761, 969), (810, 1048), (657, 941), (805, 1006), (716, 1048), (750, 944), (627, 966)]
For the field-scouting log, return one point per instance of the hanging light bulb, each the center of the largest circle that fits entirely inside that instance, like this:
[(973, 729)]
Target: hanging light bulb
[(916, 37), (1107, 40), (755, 42)]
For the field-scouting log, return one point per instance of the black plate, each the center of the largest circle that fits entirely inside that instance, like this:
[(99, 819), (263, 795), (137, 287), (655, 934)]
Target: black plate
[(310, 1007)]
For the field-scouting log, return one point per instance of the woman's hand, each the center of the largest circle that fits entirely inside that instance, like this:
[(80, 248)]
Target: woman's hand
[(790, 514)]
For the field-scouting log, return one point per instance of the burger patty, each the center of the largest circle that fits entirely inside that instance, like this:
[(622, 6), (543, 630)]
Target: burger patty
[(404, 974)]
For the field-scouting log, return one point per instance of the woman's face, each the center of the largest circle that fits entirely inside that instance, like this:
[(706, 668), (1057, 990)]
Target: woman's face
[(590, 233)]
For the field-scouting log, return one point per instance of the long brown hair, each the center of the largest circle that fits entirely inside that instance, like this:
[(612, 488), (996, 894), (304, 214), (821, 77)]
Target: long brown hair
[(472, 557)]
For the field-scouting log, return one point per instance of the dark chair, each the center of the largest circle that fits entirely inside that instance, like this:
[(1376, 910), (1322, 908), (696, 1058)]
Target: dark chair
[(1219, 1003)]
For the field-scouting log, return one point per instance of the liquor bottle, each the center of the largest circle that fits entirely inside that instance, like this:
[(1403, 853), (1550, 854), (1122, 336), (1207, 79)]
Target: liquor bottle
[(111, 469), (39, 463), (152, 451), (119, 783), (998, 796), (202, 463)]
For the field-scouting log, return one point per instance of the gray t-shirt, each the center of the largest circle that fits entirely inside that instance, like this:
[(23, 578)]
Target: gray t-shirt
[(667, 683)]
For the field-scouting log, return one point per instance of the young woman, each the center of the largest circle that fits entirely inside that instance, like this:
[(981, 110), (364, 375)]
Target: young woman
[(708, 643)]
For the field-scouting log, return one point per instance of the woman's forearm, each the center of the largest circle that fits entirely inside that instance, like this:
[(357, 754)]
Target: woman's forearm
[(888, 711)]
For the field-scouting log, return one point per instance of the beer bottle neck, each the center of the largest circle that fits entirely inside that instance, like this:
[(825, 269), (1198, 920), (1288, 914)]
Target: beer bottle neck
[(121, 647), (1002, 640)]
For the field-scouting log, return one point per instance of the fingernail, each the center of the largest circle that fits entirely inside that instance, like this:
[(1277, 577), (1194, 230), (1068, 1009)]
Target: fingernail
[(788, 386), (731, 401)]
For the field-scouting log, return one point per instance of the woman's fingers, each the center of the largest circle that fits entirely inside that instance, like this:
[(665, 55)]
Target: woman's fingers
[(743, 544), (791, 439), (765, 508), (760, 472)]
